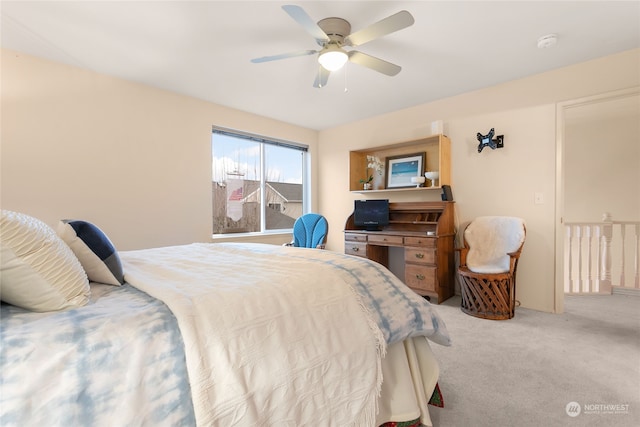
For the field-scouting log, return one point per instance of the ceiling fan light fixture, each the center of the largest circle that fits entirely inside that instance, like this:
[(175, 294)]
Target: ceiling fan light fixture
[(332, 58)]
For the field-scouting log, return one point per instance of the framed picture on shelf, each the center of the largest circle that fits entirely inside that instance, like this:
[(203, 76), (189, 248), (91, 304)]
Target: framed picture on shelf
[(400, 169)]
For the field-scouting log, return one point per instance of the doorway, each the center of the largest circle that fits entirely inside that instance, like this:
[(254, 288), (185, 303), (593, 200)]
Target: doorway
[(597, 166)]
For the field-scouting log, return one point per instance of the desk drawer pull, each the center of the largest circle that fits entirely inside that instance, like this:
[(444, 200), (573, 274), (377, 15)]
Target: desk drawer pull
[(419, 255), (355, 249), (420, 276)]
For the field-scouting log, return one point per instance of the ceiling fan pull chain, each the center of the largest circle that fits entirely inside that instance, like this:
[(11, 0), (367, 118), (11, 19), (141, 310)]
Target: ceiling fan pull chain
[(346, 89)]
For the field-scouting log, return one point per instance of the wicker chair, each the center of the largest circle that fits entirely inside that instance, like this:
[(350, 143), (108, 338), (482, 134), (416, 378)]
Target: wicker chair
[(488, 263)]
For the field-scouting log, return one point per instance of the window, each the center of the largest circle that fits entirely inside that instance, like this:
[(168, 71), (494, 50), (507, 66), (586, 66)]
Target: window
[(258, 183)]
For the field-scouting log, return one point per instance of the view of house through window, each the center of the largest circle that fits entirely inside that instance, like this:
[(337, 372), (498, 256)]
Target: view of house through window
[(258, 184)]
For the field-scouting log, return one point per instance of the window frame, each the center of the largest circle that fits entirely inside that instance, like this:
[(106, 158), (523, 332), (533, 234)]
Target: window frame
[(263, 141)]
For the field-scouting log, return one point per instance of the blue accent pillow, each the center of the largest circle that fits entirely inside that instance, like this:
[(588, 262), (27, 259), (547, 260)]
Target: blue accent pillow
[(94, 250)]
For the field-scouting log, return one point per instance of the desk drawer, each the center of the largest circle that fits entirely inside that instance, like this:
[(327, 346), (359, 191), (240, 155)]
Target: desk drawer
[(420, 255), (428, 242), (355, 237), (384, 239), (420, 277), (356, 248)]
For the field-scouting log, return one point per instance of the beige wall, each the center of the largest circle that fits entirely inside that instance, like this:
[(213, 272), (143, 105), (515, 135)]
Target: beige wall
[(603, 137), (134, 159), (500, 182)]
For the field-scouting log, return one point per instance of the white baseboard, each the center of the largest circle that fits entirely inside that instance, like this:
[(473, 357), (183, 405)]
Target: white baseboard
[(619, 290)]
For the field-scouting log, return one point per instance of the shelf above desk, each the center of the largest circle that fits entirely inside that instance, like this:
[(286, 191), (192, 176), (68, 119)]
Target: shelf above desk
[(437, 150), (396, 190)]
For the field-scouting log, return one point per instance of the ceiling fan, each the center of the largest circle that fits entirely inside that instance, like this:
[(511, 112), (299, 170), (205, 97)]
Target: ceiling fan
[(333, 34)]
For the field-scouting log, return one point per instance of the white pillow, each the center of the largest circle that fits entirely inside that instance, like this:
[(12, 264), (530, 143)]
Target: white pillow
[(38, 271), (94, 250)]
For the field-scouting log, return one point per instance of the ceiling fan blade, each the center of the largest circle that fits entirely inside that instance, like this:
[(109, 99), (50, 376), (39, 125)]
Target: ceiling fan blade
[(374, 63), (283, 56), (388, 25), (322, 78), (302, 18)]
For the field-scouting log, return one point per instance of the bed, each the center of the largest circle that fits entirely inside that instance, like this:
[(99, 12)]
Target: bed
[(210, 334)]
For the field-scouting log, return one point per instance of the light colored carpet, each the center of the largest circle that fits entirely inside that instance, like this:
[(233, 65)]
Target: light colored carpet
[(526, 370)]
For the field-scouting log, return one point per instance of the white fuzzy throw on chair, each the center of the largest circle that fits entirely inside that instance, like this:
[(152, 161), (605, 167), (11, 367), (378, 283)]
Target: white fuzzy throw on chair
[(490, 239)]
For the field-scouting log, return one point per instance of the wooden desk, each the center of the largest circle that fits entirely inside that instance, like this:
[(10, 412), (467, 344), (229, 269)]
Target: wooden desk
[(426, 232)]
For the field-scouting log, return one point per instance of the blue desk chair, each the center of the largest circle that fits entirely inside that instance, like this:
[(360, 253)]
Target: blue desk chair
[(310, 231)]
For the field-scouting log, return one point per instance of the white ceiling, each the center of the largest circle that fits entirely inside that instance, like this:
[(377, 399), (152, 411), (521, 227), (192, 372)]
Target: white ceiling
[(203, 48)]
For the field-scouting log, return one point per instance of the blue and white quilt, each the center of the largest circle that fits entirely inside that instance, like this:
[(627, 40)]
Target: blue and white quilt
[(118, 361)]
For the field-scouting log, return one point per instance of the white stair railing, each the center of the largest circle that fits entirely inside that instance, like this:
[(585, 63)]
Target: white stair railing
[(600, 256)]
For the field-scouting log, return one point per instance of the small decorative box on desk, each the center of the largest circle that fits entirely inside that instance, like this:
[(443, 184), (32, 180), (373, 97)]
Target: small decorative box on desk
[(426, 232)]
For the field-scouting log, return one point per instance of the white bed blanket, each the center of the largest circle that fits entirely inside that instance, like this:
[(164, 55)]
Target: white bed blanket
[(270, 338)]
